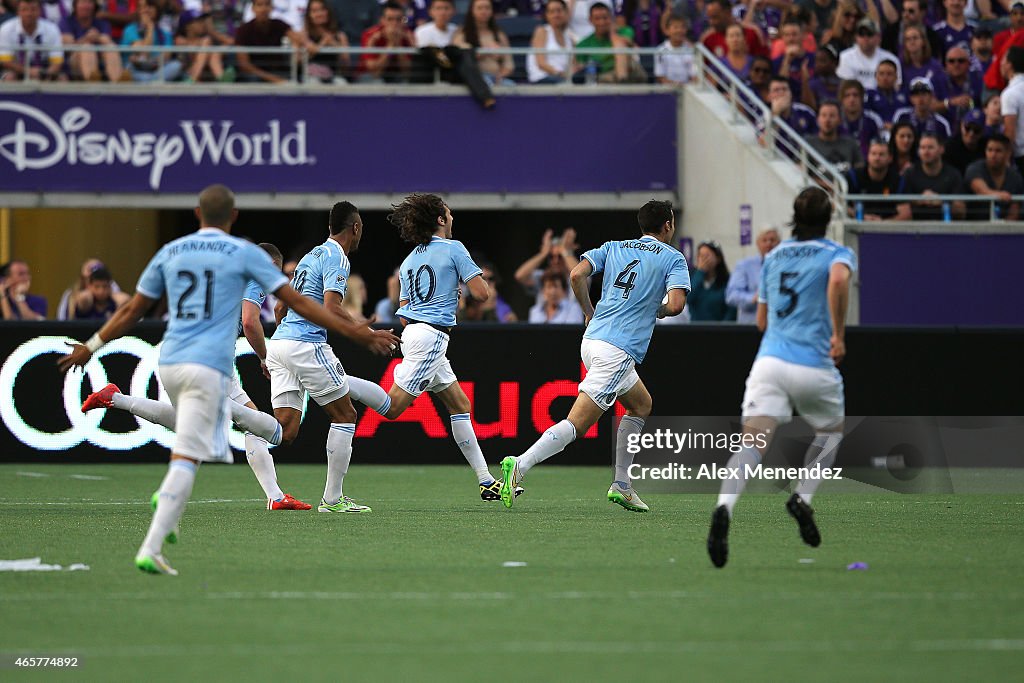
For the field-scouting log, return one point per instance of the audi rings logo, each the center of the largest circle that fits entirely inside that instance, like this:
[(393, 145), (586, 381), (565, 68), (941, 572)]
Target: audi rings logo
[(85, 427)]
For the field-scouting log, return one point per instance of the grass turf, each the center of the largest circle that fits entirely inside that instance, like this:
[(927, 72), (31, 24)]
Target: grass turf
[(417, 590)]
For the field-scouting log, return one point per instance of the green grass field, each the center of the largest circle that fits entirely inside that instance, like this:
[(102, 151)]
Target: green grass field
[(417, 590)]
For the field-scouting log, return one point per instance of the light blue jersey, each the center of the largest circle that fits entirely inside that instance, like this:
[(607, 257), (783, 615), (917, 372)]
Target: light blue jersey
[(637, 274), (324, 269), (205, 276), (794, 285), (253, 294), (430, 278)]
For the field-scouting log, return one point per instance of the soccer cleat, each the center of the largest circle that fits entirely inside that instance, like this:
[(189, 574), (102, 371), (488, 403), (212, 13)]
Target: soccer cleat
[(346, 504), (101, 399), (509, 480), (154, 564), (171, 537), (627, 498), (492, 491), (288, 503), (804, 516), (718, 537)]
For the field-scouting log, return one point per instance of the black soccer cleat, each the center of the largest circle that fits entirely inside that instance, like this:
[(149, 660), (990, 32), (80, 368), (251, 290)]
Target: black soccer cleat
[(804, 516), (718, 536), (492, 491)]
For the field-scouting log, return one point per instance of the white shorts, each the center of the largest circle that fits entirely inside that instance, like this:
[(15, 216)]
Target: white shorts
[(199, 395), (235, 391), (775, 388), (425, 366), (297, 366), (611, 372)]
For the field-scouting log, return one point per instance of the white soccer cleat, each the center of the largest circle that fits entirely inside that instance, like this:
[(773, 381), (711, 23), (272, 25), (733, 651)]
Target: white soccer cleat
[(626, 497), (155, 564)]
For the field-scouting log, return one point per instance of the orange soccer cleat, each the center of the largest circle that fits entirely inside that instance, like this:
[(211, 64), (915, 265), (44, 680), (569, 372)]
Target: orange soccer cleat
[(288, 503), (101, 399)]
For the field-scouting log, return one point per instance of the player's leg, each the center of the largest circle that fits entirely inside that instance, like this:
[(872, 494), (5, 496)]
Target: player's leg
[(257, 453), (637, 401), (423, 350), (339, 454), (110, 396)]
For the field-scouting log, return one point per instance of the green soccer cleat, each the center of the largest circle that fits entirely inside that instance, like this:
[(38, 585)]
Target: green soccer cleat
[(492, 491), (509, 481), (171, 537), (627, 498), (346, 504), (154, 564)]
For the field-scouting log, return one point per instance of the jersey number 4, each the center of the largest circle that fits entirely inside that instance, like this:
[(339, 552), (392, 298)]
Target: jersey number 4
[(193, 282), (626, 278)]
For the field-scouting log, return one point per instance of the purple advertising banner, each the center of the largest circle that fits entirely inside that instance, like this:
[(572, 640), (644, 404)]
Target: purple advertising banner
[(309, 143), (940, 279)]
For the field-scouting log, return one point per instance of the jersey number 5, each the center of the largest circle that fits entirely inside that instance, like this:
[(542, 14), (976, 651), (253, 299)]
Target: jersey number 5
[(626, 283), (784, 288)]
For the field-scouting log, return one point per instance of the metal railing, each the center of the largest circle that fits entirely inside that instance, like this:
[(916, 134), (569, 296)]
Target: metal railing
[(860, 204)]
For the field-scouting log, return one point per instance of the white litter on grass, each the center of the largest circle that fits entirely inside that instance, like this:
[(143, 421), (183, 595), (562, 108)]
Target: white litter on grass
[(88, 477), (513, 564), (806, 560), (31, 474), (35, 564)]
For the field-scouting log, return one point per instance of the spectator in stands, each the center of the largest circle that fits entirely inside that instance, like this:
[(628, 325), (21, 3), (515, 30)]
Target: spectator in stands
[(955, 29), (644, 17), (556, 307), (97, 301), (194, 32), (719, 16), (966, 146), (921, 113), (552, 35), (146, 32), (997, 177), (962, 87), (887, 97), (440, 30), (610, 68), (355, 16), (47, 61), (916, 59), (795, 63), (354, 302), (799, 117), (291, 12), (16, 303), (224, 19), (384, 310), (842, 34), (480, 29), (81, 27), (416, 11), (860, 124), (579, 16), (824, 84), (760, 80), (119, 13), (556, 254), (841, 150), (264, 31), (494, 309), (736, 58), (931, 177), (903, 146), (390, 32), (1012, 103), (169, 11), (65, 309), (981, 50), (709, 281), (911, 14), (741, 292), (1014, 36), (860, 61), (879, 176), (321, 31), (822, 11), (6, 12), (993, 111)]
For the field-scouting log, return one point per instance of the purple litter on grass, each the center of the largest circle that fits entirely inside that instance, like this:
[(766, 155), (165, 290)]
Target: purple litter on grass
[(857, 565)]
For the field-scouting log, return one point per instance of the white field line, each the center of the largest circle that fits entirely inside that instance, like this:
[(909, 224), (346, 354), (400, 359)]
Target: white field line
[(8, 501)]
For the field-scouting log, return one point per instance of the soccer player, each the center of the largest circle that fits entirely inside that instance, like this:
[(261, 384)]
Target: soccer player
[(259, 427), (429, 297), (802, 302), (204, 276), (638, 273), (300, 359)]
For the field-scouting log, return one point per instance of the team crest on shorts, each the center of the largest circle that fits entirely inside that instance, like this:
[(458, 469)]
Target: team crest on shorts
[(341, 370), (423, 384)]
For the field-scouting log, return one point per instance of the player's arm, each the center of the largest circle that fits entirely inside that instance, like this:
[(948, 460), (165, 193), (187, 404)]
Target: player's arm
[(478, 288), (579, 279), (123, 320), (381, 342), (252, 327), (674, 305), (838, 303), (280, 311), (762, 316)]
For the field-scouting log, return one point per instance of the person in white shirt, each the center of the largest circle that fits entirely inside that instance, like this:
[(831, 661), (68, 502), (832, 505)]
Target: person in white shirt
[(28, 29), (1012, 102), (860, 61), (439, 31), (674, 61), (553, 67), (292, 12)]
